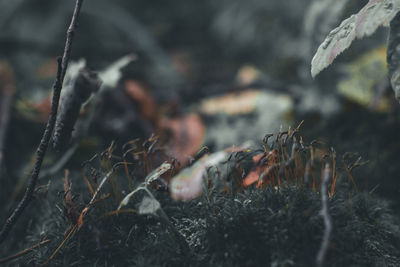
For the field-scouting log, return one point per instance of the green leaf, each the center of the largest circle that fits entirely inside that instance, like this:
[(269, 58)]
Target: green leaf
[(374, 14), (393, 55)]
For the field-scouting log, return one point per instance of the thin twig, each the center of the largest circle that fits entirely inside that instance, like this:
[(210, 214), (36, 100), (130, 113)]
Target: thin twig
[(116, 212), (70, 233), (41, 151), (327, 218), (24, 252), (79, 223)]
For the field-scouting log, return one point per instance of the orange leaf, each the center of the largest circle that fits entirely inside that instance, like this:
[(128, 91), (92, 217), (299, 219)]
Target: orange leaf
[(187, 136), (251, 178)]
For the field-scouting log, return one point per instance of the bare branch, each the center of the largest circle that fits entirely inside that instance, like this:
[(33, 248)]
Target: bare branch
[(41, 151)]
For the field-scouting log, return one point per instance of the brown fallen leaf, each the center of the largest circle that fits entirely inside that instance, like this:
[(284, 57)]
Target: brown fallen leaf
[(261, 169), (184, 136), (254, 175), (140, 94)]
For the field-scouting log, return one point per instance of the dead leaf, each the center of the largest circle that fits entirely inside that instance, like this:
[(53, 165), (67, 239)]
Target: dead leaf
[(140, 94), (187, 184), (149, 206), (243, 102), (184, 136)]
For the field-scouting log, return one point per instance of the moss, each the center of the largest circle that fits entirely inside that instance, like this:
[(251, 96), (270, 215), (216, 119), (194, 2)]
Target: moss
[(253, 228)]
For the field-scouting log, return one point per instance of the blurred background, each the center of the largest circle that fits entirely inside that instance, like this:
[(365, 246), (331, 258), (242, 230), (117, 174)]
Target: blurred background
[(195, 73)]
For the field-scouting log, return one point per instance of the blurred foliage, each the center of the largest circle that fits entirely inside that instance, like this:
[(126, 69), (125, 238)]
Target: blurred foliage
[(215, 73)]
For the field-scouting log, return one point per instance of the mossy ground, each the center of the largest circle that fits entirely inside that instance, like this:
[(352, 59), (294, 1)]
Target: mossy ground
[(254, 227)]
